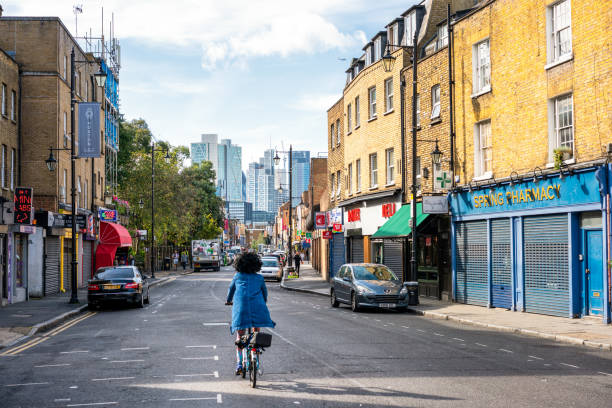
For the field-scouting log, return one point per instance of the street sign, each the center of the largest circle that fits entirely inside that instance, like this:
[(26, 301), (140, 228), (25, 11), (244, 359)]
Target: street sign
[(23, 205), (443, 180), (435, 205)]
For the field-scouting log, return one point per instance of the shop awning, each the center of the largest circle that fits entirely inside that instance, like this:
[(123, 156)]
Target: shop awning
[(114, 234), (399, 225)]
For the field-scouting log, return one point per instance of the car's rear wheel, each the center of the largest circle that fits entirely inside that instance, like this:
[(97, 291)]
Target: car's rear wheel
[(141, 302), (354, 302), (334, 299), (147, 300)]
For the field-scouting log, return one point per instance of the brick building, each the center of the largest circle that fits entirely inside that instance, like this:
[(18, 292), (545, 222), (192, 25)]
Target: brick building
[(533, 123)]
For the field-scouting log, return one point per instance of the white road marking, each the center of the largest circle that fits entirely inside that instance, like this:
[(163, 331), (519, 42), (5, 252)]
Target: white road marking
[(61, 400), (216, 324), (458, 339), (215, 374), (126, 361), (534, 357), (214, 347), (73, 387), (216, 358), (24, 384), (91, 404), (438, 334), (378, 320), (419, 330), (51, 365), (135, 348), (406, 327), (481, 345), (219, 399), (569, 365), (506, 351), (601, 372), (112, 378), (194, 399), (74, 351), (153, 312)]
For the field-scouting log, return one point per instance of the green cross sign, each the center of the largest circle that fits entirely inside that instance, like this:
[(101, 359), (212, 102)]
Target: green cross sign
[(443, 180)]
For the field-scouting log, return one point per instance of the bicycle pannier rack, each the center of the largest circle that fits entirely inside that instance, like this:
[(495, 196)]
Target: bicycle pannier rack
[(262, 339)]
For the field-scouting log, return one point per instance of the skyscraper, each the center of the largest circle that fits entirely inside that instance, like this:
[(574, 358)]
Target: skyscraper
[(229, 176), (206, 149), (301, 174)]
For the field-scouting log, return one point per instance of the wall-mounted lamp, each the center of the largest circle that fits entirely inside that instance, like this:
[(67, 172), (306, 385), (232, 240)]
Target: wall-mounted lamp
[(514, 178), (535, 174)]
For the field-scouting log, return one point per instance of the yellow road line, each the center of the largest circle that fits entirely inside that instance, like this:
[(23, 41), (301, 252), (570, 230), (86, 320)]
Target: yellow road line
[(16, 350), (69, 324)]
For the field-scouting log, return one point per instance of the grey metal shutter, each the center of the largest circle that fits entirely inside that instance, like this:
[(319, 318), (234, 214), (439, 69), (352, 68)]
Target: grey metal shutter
[(501, 263), (52, 273), (393, 256), (336, 254), (87, 260), (546, 263), (356, 249), (472, 271), (67, 266)]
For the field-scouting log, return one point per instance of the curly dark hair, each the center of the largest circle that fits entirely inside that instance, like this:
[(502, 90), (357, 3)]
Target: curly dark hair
[(248, 262)]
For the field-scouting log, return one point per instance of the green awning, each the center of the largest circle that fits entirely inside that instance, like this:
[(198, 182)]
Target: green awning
[(399, 225)]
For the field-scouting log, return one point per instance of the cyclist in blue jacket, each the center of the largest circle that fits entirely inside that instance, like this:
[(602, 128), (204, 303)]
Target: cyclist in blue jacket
[(249, 296)]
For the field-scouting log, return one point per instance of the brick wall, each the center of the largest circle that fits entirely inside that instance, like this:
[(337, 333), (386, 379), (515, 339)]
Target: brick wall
[(9, 79), (335, 156)]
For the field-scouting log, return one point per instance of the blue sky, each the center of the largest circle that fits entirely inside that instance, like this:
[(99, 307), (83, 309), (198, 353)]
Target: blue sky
[(261, 72)]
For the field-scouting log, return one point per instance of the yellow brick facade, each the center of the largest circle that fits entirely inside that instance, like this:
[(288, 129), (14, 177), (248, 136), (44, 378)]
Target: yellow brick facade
[(335, 155), (523, 87), (9, 82)]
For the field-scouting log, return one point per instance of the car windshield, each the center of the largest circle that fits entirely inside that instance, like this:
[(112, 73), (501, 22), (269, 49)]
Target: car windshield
[(115, 273), (373, 272), (269, 263)]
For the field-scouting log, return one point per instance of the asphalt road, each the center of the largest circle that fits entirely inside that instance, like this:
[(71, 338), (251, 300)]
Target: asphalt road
[(178, 352)]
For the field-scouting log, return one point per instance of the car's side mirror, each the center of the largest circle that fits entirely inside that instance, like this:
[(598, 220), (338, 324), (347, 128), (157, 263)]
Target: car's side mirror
[(346, 279)]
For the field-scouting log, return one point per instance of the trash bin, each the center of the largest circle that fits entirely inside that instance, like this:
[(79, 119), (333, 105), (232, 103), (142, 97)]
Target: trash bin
[(290, 270), (167, 263), (413, 293)]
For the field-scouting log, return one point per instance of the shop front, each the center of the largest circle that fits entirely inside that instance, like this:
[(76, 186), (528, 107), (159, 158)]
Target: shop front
[(337, 254), (115, 241), (537, 246)]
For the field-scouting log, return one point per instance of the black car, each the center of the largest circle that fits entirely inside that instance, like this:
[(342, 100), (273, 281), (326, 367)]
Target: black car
[(118, 283)]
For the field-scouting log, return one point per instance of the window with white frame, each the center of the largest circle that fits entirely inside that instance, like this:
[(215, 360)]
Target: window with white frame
[(390, 159), (337, 132), (483, 163), (435, 101), (560, 31), (332, 179), (389, 94), (392, 33), (65, 129), (13, 105), (332, 134), (482, 67), (368, 55), (373, 171), (4, 158), (372, 101), (3, 100), (357, 175), (13, 153), (418, 110), (442, 37), (350, 178), (65, 67), (357, 116), (563, 124), (377, 50), (349, 118), (349, 76), (338, 181), (410, 28)]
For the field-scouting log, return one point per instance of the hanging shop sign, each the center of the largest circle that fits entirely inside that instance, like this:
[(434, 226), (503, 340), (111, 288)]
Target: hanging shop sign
[(337, 228), (435, 205), (23, 205), (354, 215), (388, 210), (334, 217), (107, 215), (320, 220), (89, 129), (326, 234)]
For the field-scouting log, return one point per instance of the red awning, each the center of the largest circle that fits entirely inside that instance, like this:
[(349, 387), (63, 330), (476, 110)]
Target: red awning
[(114, 234)]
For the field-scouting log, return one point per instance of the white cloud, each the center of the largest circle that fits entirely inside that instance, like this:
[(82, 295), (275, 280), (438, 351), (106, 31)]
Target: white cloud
[(315, 102), (227, 32)]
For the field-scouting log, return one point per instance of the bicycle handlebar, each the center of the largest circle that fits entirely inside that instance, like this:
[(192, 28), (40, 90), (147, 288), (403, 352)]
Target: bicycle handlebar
[(229, 303)]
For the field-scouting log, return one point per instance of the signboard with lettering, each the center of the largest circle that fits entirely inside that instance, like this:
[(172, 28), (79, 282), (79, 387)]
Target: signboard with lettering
[(388, 210), (89, 129), (435, 205), (334, 217), (107, 215), (326, 234), (337, 228), (354, 215), (23, 205), (320, 219)]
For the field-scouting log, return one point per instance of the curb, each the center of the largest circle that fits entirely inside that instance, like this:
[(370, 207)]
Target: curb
[(506, 329), (159, 281), (311, 292)]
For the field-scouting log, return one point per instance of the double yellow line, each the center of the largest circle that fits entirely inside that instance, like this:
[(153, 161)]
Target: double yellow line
[(36, 341)]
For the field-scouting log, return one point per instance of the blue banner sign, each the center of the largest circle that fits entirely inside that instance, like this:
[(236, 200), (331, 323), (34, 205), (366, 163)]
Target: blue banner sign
[(580, 188), (89, 129), (107, 215)]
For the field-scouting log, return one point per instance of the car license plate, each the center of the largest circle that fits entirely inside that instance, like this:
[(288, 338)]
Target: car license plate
[(387, 305), (112, 286)]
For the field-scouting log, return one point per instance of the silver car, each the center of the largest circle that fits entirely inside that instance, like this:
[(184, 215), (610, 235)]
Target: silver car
[(271, 268), (368, 285)]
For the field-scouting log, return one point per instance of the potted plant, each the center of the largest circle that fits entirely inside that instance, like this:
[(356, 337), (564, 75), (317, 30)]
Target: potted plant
[(560, 154)]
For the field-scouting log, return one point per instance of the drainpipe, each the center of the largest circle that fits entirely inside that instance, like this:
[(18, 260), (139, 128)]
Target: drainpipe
[(19, 131), (451, 85)]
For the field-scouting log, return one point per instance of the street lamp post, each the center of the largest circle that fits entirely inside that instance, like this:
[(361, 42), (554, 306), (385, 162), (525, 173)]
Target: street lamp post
[(152, 250), (277, 161), (51, 162)]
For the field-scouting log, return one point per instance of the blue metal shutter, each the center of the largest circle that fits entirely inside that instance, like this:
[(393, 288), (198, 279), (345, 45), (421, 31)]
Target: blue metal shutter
[(336, 254), (545, 251), (501, 263), (393, 256), (472, 271), (356, 250)]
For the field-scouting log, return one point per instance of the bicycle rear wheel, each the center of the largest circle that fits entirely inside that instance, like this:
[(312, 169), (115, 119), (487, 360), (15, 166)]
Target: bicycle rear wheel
[(253, 369), (244, 363)]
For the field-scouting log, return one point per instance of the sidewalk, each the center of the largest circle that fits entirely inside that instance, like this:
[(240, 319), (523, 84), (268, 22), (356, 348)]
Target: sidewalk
[(586, 331), (25, 319)]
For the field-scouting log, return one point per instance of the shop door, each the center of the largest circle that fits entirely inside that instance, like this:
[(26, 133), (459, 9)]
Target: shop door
[(393, 256), (67, 266), (52, 278), (336, 254), (356, 250), (501, 264), (545, 249), (472, 278), (87, 260), (593, 272)]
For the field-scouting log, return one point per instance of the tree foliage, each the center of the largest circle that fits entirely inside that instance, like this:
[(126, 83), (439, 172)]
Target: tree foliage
[(186, 206)]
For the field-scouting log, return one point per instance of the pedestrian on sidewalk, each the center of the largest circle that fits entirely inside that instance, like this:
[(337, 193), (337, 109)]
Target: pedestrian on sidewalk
[(184, 259), (175, 259), (298, 260)]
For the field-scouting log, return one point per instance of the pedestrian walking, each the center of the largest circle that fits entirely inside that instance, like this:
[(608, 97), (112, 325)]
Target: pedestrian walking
[(298, 260), (175, 259), (184, 259)]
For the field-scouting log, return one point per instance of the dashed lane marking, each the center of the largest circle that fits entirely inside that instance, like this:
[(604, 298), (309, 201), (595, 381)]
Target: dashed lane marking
[(216, 358), (51, 365), (419, 330), (536, 358), (481, 345), (216, 324), (135, 348), (569, 365), (506, 351), (213, 346), (601, 372), (458, 339), (92, 404), (112, 378), (74, 351), (438, 334), (214, 374), (195, 399), (127, 361), (405, 327), (26, 384)]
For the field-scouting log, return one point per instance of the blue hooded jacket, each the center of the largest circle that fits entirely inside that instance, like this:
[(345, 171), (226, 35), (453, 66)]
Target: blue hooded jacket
[(249, 293)]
